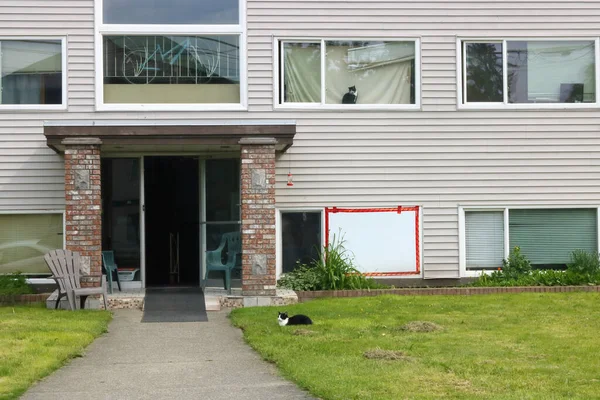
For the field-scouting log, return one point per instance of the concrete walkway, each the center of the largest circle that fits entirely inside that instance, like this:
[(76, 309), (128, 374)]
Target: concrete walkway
[(204, 360)]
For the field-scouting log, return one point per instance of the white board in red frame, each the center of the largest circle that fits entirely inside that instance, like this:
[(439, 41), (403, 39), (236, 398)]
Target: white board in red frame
[(383, 241)]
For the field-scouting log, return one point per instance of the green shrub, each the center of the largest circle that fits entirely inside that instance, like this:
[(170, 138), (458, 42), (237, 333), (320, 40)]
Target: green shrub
[(584, 269), (583, 262), (14, 284), (302, 278), (333, 270), (516, 264)]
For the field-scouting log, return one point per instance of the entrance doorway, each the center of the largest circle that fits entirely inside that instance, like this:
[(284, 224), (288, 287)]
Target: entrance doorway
[(172, 221)]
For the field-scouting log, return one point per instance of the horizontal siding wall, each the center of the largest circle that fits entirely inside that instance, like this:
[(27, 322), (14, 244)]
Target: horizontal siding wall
[(437, 157)]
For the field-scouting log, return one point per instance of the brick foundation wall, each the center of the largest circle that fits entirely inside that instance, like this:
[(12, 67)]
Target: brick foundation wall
[(83, 207), (258, 219), (460, 291)]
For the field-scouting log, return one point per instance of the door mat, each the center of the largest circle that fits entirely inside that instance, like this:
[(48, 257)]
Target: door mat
[(174, 305)]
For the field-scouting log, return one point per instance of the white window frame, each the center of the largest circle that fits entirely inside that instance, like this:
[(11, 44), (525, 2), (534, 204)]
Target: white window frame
[(102, 29), (462, 244), (279, 232), (40, 281), (505, 105), (42, 107), (278, 71)]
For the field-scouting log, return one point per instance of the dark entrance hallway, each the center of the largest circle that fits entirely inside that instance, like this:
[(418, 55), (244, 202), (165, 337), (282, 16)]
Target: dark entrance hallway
[(172, 219)]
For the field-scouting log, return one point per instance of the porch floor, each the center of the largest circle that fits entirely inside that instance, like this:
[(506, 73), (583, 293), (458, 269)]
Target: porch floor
[(215, 298)]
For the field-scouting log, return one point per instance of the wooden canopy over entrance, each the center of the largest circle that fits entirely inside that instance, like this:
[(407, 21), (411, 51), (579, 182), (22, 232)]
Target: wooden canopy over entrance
[(129, 135)]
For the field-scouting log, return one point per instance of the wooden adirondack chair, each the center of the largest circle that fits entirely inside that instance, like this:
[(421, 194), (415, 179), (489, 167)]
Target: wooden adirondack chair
[(66, 271)]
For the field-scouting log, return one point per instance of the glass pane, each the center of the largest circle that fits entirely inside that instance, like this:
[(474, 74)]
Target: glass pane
[(121, 214), (369, 72), (301, 238), (171, 69), (219, 251), (302, 72), (26, 238), (548, 236), (31, 71), (551, 72), (484, 233), (171, 12), (222, 190), (484, 72)]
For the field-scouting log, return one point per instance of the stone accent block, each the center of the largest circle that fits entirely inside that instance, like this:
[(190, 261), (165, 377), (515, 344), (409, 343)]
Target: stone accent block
[(259, 264)]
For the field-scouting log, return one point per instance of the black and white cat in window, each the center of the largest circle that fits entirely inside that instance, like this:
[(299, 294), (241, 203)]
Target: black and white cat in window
[(351, 97)]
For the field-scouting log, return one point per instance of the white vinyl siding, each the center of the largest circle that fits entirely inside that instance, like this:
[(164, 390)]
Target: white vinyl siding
[(435, 157), (484, 235)]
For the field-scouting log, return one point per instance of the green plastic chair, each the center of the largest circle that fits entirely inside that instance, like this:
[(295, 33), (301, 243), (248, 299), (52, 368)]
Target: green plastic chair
[(108, 261), (214, 258)]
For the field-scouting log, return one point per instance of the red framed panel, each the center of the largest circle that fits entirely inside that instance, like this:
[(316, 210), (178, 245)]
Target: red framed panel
[(399, 210)]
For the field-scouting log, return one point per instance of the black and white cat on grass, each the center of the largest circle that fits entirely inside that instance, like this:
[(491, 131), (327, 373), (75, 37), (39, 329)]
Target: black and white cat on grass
[(299, 319)]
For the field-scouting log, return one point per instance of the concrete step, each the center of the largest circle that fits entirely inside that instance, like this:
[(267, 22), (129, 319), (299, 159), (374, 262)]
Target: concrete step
[(212, 303)]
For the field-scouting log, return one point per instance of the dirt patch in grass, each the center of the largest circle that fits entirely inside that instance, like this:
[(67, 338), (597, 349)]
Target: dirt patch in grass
[(392, 355), (304, 332), (421, 326)]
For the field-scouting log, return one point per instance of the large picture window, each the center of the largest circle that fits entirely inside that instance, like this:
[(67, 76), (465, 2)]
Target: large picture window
[(348, 72), (546, 236), (529, 72), (26, 238), (174, 55), (31, 72), (171, 69)]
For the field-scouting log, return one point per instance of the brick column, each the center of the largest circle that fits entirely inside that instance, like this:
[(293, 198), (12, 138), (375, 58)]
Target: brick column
[(258, 216), (83, 209)]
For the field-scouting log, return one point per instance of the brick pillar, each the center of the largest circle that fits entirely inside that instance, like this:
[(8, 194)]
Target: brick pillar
[(83, 209), (258, 217)]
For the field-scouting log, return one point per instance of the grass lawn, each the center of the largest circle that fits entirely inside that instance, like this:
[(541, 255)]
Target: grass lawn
[(510, 346), (35, 341)]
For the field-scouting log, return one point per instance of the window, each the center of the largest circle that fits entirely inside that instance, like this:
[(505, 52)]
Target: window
[(547, 237), (301, 238), (348, 72), (484, 235), (171, 69), (529, 72), (170, 55), (26, 238), (165, 12), (31, 72)]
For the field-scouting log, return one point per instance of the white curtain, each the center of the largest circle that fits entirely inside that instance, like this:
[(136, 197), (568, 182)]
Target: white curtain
[(381, 72), (376, 82), (302, 73)]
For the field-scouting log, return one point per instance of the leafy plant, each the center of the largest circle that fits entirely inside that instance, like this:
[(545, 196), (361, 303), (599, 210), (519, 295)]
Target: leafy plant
[(334, 269), (584, 269), (15, 283), (583, 262), (516, 264), (302, 278)]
